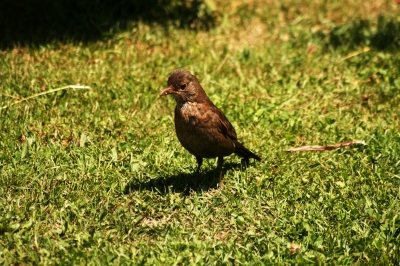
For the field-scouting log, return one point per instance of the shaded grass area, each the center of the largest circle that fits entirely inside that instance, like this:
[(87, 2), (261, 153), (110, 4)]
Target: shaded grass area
[(29, 22), (384, 36), (98, 176)]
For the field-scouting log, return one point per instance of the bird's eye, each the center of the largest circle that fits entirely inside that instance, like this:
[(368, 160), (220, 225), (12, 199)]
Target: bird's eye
[(183, 86)]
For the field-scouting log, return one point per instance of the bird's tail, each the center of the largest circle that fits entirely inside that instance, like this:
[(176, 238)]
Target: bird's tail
[(246, 153)]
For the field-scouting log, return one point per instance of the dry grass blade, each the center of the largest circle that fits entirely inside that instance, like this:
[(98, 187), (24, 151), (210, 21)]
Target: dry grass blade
[(365, 49), (327, 147), (46, 92)]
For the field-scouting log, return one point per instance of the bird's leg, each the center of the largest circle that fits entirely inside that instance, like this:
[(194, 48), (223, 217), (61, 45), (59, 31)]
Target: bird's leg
[(220, 163), (199, 163)]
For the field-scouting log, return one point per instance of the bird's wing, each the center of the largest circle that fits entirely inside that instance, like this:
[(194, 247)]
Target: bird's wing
[(221, 123)]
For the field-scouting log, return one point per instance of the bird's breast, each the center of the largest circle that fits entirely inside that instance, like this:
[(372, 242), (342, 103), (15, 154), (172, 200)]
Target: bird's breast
[(190, 112), (198, 132)]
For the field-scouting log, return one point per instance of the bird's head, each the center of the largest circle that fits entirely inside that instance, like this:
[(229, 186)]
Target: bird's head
[(184, 87)]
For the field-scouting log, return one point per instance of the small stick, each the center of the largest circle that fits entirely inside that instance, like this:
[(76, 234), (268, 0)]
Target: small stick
[(46, 92), (327, 147), (365, 49)]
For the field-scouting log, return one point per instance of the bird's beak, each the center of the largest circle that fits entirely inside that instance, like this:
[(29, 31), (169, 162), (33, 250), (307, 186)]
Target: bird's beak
[(167, 91)]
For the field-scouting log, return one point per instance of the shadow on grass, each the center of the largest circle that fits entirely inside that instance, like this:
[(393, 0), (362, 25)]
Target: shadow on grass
[(384, 36), (182, 182), (38, 22)]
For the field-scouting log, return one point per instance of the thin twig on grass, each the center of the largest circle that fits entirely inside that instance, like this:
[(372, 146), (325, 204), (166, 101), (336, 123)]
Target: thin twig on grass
[(365, 49), (327, 147), (46, 92)]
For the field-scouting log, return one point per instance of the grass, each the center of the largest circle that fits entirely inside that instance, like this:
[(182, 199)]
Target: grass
[(98, 176)]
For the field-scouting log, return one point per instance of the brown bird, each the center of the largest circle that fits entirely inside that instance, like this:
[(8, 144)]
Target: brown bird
[(201, 127)]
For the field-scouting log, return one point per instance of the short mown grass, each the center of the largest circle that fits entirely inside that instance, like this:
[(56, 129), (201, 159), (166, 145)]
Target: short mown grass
[(98, 176)]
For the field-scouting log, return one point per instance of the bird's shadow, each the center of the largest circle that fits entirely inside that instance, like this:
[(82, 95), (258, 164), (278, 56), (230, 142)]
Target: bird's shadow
[(183, 182)]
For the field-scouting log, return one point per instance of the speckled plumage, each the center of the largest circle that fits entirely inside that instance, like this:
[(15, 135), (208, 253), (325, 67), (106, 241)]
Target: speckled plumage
[(201, 127)]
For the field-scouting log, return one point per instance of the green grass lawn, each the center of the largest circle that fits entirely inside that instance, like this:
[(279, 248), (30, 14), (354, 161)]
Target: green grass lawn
[(98, 176)]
